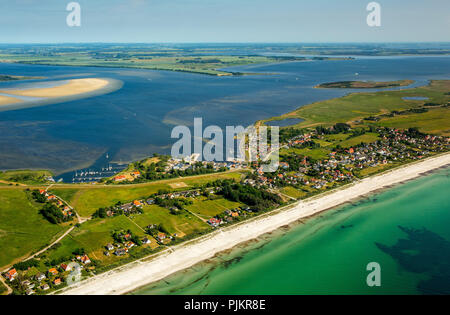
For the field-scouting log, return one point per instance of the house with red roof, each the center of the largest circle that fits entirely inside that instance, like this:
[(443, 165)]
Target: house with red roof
[(11, 274), (85, 259), (120, 178), (66, 267), (137, 203)]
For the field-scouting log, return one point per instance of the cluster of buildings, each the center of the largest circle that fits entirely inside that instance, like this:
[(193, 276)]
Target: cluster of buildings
[(52, 278), (184, 164), (228, 216), (193, 161), (65, 209), (342, 165), (127, 177)]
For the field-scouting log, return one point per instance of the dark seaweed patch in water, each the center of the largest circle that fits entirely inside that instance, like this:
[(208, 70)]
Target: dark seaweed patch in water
[(228, 263), (423, 252)]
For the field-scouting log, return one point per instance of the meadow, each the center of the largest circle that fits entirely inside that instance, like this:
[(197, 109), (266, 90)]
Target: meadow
[(208, 208), (435, 121), (181, 224), (353, 108), (92, 236), (22, 229), (87, 199), (29, 177)]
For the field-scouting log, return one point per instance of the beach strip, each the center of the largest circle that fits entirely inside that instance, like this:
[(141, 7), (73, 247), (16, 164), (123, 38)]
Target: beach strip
[(145, 271)]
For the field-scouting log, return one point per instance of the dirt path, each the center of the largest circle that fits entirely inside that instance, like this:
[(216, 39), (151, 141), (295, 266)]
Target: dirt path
[(136, 224), (8, 289), (46, 248)]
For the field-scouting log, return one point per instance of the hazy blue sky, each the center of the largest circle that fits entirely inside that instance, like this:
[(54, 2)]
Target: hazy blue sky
[(224, 21)]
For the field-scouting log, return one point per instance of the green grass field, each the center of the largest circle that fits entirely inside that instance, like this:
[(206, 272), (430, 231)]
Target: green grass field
[(209, 208), (182, 224), (293, 192), (28, 177), (435, 121), (316, 154), (357, 106), (22, 229), (365, 138), (93, 235), (87, 200)]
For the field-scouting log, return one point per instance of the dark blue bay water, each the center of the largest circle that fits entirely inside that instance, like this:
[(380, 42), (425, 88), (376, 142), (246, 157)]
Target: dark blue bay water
[(136, 120)]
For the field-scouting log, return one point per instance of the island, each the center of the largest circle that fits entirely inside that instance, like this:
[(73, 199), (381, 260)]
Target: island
[(363, 84)]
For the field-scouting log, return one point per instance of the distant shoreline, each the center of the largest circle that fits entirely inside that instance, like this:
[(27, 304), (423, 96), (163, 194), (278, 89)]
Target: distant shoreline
[(144, 271)]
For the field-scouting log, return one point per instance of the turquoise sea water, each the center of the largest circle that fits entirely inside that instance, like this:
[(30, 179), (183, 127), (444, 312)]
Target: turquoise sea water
[(405, 229)]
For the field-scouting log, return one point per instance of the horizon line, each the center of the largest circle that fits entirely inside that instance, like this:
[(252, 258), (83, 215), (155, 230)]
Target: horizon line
[(195, 42)]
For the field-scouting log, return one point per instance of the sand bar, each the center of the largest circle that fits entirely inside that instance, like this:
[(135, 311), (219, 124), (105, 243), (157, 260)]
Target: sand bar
[(142, 272), (72, 87), (4, 100), (58, 92)]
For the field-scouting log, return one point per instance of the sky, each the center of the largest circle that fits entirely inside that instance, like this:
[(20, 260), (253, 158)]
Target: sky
[(198, 21)]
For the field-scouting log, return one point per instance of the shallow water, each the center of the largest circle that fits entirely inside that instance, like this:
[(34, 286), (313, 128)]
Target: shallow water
[(415, 98), (329, 253)]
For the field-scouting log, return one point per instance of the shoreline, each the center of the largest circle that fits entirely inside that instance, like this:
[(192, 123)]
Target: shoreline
[(147, 270)]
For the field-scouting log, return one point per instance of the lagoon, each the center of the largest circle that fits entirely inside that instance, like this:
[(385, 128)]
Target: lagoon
[(136, 120)]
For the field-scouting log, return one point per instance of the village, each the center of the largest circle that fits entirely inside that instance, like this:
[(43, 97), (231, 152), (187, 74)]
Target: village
[(53, 278), (55, 209), (164, 167), (298, 168), (344, 165)]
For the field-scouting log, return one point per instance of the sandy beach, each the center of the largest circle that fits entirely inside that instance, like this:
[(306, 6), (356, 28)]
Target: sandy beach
[(142, 272)]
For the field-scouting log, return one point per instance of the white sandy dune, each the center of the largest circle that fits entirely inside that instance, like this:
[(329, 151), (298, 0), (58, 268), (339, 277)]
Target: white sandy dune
[(143, 272)]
